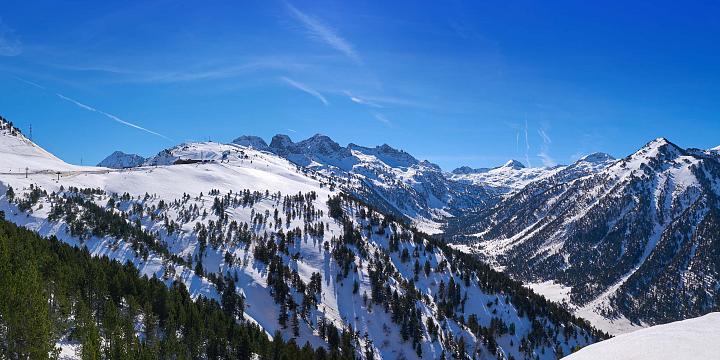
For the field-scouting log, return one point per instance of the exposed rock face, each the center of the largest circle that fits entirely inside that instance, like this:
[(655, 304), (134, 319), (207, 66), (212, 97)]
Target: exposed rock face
[(121, 160)]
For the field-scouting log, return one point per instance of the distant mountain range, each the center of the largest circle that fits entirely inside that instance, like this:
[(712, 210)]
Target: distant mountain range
[(390, 179)]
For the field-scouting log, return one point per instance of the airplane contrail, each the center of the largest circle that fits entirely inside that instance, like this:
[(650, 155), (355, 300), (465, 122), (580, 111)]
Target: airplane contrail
[(111, 116), (90, 108)]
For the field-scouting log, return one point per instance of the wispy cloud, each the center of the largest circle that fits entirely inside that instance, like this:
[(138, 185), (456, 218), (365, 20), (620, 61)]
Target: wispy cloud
[(382, 119), (10, 44), (220, 72), (228, 69), (110, 116), (527, 145), (360, 100), (29, 82), (305, 88), (544, 154), (546, 139), (546, 159), (322, 32)]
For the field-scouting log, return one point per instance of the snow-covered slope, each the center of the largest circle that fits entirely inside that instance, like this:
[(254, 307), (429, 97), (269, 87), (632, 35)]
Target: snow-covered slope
[(121, 160), (230, 210), (636, 243), (19, 154), (692, 339)]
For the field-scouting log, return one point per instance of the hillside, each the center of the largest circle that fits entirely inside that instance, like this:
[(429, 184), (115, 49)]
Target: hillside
[(100, 308), (633, 244), (304, 255)]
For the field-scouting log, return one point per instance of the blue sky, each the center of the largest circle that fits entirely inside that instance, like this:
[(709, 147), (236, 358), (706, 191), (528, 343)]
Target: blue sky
[(455, 82)]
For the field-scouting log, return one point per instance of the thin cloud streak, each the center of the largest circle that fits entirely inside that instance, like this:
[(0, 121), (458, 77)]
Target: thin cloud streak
[(544, 154), (546, 159), (527, 145), (382, 119), (544, 136), (30, 83), (361, 101), (190, 74), (111, 116), (320, 31), (306, 89), (10, 44)]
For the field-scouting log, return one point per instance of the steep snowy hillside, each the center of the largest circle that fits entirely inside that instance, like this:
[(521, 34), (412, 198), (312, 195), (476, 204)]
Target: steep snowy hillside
[(121, 160), (693, 339), (313, 263), (636, 243)]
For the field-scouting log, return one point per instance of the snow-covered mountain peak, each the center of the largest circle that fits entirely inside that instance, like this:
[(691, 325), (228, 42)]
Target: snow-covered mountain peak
[(121, 160), (513, 164), (323, 145), (510, 165), (661, 147), (316, 145), (659, 152), (198, 152), (464, 170), (598, 157), (387, 154), (252, 141), (316, 150), (508, 178)]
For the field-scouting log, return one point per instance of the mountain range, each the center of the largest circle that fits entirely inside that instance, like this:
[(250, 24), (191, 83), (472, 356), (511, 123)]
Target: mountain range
[(313, 264), (390, 179), (558, 228), (635, 241), (623, 243)]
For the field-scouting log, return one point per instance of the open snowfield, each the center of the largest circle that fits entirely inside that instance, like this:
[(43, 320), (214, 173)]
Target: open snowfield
[(691, 339)]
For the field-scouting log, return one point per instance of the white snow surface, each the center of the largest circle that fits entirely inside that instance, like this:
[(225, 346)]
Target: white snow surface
[(697, 338)]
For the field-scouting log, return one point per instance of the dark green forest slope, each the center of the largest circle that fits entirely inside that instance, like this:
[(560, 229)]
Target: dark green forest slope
[(50, 292)]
